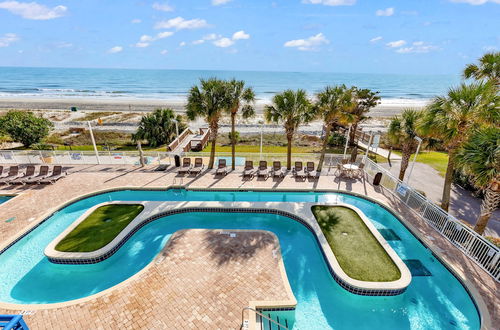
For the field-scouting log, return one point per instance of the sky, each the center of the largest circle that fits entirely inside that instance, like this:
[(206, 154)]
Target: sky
[(352, 36)]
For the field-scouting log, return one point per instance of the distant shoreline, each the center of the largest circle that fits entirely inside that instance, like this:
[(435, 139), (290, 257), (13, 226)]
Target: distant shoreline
[(387, 108)]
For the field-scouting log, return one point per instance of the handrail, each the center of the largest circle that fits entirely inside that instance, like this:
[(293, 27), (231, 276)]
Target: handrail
[(261, 315)]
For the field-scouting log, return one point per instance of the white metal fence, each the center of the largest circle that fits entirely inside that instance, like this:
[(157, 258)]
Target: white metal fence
[(476, 247)]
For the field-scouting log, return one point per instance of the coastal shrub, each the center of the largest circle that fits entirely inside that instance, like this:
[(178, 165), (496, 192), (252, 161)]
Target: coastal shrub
[(236, 136), (158, 128), (25, 127), (336, 140)]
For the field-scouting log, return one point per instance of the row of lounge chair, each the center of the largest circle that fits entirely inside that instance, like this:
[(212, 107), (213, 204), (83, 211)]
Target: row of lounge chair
[(188, 168), (44, 175)]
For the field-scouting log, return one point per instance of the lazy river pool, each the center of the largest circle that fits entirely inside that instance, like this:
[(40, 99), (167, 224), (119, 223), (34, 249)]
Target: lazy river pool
[(435, 299)]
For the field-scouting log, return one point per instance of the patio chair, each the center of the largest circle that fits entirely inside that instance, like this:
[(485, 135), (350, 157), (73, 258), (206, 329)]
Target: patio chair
[(360, 170), (345, 161), (1, 171), (298, 170), (198, 166), (57, 173), (263, 171), (42, 174), (186, 166), (340, 170), (249, 170), (277, 170), (11, 175), (222, 168), (9, 322), (311, 172), (30, 173)]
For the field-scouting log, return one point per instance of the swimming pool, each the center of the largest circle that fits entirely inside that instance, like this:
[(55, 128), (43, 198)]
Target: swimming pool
[(5, 198), (430, 302)]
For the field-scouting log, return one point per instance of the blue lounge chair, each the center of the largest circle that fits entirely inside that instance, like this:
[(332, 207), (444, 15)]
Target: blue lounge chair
[(12, 322)]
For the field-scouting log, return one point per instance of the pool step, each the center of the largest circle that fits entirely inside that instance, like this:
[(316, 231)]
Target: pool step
[(285, 319)]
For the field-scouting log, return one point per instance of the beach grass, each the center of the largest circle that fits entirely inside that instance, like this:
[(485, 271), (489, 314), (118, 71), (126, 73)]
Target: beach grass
[(95, 115), (356, 249), (99, 228)]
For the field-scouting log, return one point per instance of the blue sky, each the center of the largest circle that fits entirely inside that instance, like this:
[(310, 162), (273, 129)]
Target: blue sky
[(361, 36)]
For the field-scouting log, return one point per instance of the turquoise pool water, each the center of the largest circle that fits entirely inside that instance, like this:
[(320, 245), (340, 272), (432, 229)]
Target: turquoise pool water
[(3, 199), (438, 301)]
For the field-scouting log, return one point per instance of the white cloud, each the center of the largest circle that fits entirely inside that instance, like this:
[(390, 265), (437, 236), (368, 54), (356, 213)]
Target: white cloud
[(224, 42), (135, 21), (240, 35), (417, 47), (162, 6), (376, 39), (142, 44), (182, 44), (475, 2), (164, 52), (163, 35), (115, 50), (220, 2), (330, 2), (198, 42), (7, 39), (385, 12), (211, 36), (146, 38), (311, 43), (180, 23), (396, 44), (33, 10)]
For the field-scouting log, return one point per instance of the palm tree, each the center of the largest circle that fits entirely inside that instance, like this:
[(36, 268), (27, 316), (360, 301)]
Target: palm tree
[(158, 127), (479, 158), (364, 99), (488, 68), (451, 118), (402, 131), (291, 108), (239, 97), (332, 105), (208, 100)]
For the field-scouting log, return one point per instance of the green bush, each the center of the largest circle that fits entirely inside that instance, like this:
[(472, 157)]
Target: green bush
[(336, 140), (25, 127)]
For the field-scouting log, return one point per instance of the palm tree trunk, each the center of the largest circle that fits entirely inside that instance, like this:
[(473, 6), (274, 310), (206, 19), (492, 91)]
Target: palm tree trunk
[(448, 178), (352, 134), (214, 128), (233, 140), (323, 149), (289, 153), (488, 205), (404, 164)]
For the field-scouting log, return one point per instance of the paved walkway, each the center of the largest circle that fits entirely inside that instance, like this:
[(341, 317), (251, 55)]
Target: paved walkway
[(379, 151), (126, 303), (463, 204)]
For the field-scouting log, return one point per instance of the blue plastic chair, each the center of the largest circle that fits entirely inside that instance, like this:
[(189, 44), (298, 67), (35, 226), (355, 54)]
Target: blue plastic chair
[(12, 322)]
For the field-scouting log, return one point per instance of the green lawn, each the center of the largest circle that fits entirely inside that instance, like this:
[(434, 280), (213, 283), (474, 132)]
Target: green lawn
[(358, 252), (436, 159), (99, 228)]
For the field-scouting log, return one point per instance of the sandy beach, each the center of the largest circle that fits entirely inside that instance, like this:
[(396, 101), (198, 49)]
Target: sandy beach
[(387, 108)]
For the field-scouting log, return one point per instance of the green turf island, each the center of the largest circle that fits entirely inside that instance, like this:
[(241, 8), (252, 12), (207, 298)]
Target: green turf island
[(99, 228), (356, 249)]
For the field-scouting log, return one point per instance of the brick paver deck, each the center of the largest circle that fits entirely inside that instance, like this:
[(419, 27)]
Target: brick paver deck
[(34, 202)]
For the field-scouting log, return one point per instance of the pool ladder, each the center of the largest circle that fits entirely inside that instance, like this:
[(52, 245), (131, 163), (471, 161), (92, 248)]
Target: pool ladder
[(269, 323)]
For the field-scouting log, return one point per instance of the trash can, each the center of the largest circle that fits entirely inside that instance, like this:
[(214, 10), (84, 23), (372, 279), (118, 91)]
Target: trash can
[(74, 108), (177, 160), (377, 178)]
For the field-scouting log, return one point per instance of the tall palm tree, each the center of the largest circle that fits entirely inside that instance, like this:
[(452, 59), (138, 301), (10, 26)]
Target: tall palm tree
[(332, 105), (488, 68), (479, 158), (158, 127), (291, 108), (364, 99), (209, 100), (453, 117), (240, 97), (402, 131)]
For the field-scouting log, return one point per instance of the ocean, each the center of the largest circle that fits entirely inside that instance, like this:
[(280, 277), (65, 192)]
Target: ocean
[(20, 82)]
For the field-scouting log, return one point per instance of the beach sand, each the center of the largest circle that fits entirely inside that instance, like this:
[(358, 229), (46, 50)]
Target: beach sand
[(386, 109)]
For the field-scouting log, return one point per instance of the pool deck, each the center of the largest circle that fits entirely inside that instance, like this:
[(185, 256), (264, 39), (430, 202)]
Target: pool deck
[(141, 307)]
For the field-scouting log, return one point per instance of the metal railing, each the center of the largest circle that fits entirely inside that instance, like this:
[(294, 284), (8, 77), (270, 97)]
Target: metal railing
[(476, 247), (261, 315)]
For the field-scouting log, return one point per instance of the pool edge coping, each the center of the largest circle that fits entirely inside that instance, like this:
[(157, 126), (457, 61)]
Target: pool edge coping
[(477, 298)]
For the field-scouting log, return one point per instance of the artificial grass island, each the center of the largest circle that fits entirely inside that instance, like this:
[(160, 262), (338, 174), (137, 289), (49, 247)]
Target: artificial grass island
[(99, 228), (357, 251)]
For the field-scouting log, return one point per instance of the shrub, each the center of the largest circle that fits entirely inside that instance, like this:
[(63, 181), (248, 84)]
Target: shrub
[(336, 140), (25, 127)]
